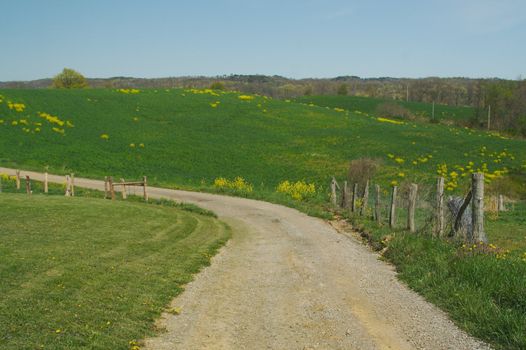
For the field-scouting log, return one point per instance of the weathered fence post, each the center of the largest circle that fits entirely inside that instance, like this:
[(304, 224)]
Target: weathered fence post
[(501, 206), (365, 199), (17, 179), (439, 228), (354, 197), (112, 188), (144, 187), (28, 185), (72, 185), (477, 207), (46, 185), (106, 190), (123, 189), (411, 207), (377, 208), (68, 188), (344, 200), (392, 211), (333, 191)]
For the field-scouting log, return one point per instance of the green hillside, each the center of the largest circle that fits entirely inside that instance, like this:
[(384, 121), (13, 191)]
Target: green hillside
[(188, 138), (370, 105)]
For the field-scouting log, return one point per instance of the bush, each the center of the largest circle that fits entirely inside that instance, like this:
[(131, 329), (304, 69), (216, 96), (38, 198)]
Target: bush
[(69, 79), (392, 110), (217, 86), (362, 169)]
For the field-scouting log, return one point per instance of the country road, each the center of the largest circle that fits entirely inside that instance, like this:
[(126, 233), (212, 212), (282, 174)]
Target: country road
[(289, 281)]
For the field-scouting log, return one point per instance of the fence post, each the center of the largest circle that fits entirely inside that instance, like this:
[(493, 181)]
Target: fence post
[(333, 192), (112, 189), (123, 189), (354, 197), (17, 179), (439, 228), (477, 207), (72, 184), (377, 209), (106, 190), (501, 206), (413, 189), (68, 189), (46, 185), (28, 185), (392, 211), (344, 200), (365, 199), (144, 188)]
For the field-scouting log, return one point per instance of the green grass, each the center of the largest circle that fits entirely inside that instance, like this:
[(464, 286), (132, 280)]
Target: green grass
[(483, 294), (508, 229), (369, 105), (89, 273)]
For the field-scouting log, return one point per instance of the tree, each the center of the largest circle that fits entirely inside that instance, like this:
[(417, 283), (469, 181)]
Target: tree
[(69, 79), (342, 89)]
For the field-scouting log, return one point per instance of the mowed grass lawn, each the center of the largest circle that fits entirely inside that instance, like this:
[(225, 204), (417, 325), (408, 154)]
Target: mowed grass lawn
[(95, 274)]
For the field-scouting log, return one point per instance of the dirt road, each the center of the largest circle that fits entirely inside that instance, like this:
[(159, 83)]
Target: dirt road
[(290, 281)]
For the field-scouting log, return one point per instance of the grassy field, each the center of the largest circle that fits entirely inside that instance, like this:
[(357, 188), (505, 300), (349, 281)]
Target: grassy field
[(88, 273), (370, 105)]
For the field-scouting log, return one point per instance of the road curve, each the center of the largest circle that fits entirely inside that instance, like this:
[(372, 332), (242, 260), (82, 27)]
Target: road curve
[(289, 281)]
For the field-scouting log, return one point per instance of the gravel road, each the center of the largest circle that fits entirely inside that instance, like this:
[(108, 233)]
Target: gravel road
[(289, 281)]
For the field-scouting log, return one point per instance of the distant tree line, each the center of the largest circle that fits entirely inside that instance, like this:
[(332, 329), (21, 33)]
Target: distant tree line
[(506, 98)]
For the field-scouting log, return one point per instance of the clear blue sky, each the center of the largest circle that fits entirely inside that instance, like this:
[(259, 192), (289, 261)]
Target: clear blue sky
[(293, 38)]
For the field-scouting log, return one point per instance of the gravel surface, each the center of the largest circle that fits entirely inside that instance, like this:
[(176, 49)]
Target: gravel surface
[(289, 281)]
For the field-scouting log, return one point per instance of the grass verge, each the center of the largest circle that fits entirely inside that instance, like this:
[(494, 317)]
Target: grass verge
[(482, 289), (88, 273)]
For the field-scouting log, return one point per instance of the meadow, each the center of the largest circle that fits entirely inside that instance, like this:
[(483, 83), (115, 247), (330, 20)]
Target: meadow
[(370, 105), (82, 272)]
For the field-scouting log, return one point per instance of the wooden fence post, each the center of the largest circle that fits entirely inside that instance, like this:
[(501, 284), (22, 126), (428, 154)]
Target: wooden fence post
[(354, 197), (123, 189), (411, 207), (439, 228), (333, 192), (17, 179), (501, 206), (392, 211), (365, 199), (144, 188), (28, 185), (112, 189), (477, 207), (377, 208), (72, 184), (106, 187), (46, 185), (344, 200), (68, 189)]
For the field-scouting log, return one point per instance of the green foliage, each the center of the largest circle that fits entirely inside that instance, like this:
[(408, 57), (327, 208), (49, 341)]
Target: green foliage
[(217, 86), (89, 273), (69, 79)]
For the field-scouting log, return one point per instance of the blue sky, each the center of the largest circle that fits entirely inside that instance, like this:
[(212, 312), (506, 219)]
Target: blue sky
[(293, 38)]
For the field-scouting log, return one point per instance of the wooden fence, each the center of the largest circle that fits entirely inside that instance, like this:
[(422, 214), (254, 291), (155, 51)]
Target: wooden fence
[(69, 185), (427, 212)]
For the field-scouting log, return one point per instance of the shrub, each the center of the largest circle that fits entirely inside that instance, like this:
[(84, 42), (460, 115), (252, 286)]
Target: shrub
[(362, 169), (393, 110)]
